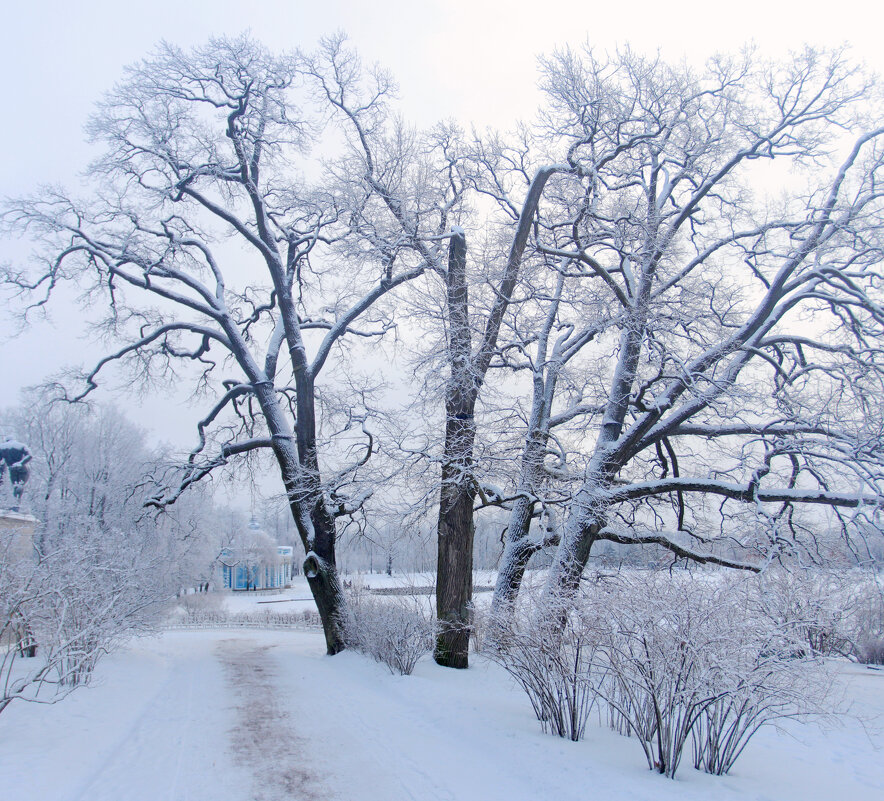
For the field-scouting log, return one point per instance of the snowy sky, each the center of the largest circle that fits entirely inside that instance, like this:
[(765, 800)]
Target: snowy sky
[(473, 60)]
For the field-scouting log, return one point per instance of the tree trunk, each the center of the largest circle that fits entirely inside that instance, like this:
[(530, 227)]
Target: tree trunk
[(301, 477), (454, 584), (317, 531), (509, 582), (578, 536), (516, 554), (519, 546), (454, 579), (321, 570), (322, 576)]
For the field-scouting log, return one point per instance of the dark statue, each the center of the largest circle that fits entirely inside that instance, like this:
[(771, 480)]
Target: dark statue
[(15, 456)]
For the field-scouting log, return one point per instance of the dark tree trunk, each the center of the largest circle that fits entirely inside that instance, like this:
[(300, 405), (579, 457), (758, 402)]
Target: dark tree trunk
[(454, 581), (454, 585), (321, 570), (315, 524)]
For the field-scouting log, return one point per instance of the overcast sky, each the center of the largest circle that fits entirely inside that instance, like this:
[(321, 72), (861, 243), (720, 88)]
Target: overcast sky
[(473, 60)]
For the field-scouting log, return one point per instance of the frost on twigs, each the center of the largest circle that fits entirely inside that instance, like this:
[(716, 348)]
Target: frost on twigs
[(675, 660), (397, 632), (61, 613)]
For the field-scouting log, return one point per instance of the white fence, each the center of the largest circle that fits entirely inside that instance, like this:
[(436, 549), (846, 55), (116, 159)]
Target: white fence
[(215, 619)]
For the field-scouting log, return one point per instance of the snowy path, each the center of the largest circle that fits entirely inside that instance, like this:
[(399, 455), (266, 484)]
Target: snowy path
[(265, 716), (262, 739), (156, 754), (187, 717)]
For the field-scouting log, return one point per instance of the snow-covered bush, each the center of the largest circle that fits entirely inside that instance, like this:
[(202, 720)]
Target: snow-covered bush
[(551, 653), (816, 605), (867, 628), (60, 612), (478, 627), (662, 643), (698, 661), (396, 631), (833, 613), (689, 658), (199, 602)]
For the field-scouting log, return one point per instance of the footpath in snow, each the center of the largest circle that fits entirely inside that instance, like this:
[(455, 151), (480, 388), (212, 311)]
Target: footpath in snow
[(265, 715)]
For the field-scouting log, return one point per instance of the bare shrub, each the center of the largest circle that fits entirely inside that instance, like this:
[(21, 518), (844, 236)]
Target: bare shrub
[(817, 606), (396, 631), (478, 627), (759, 689), (661, 644), (677, 659), (694, 658), (550, 652), (766, 675), (64, 610), (867, 629), (833, 613)]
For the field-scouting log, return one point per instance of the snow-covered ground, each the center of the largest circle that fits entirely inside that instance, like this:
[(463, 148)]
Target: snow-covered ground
[(265, 715)]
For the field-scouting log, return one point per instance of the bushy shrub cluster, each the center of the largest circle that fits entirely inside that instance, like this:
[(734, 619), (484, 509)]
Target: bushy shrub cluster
[(396, 631), (833, 612), (675, 660), (62, 610)]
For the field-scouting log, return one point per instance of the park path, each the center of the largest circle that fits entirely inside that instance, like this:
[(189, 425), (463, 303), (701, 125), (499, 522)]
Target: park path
[(262, 739), (192, 716)]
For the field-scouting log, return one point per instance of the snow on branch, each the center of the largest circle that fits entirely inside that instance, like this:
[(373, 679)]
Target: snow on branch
[(742, 492), (205, 333), (674, 542)]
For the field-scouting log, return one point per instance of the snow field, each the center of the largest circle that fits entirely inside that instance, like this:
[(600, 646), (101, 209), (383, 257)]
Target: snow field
[(265, 715)]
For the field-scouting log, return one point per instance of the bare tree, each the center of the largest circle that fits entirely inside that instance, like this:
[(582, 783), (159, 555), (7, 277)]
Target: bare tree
[(208, 249), (402, 205), (730, 374)]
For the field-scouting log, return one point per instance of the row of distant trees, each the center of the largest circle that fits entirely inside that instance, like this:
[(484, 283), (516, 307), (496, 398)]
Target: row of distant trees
[(651, 316)]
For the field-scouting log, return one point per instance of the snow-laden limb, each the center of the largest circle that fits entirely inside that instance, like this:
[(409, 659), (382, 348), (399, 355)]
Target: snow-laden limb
[(742, 492), (676, 542)]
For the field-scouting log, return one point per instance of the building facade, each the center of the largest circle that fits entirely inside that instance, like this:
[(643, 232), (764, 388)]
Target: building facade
[(244, 570)]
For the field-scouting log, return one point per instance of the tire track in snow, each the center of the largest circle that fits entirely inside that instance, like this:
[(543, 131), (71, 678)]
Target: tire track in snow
[(263, 740)]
